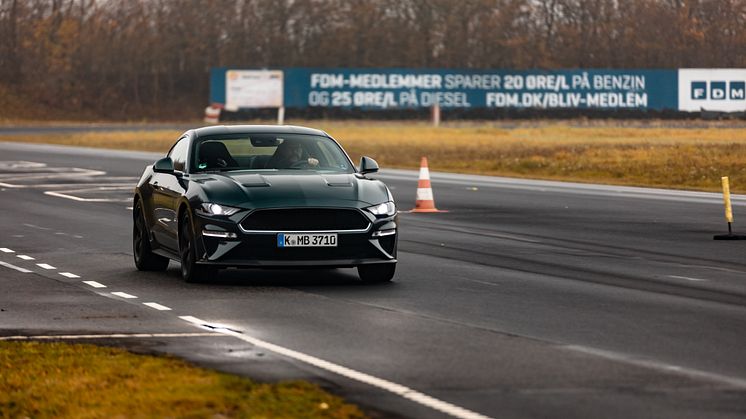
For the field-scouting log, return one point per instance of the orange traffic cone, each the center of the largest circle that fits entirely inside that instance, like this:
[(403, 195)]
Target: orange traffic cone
[(424, 201)]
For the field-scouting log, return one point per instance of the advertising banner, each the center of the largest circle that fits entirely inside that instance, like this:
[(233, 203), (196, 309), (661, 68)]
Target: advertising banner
[(722, 90), (407, 88), (689, 90), (253, 89)]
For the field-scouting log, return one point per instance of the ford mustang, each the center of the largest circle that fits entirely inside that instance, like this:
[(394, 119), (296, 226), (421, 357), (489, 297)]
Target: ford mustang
[(253, 196)]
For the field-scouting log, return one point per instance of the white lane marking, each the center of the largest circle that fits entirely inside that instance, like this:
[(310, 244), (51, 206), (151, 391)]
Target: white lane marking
[(79, 199), (71, 193), (205, 325), (69, 185), (45, 266), (6, 250), (192, 319), (660, 366), (36, 227), (69, 275), (398, 389), (686, 277), (14, 267), (24, 257), (123, 295), (55, 173), (94, 284), (20, 164), (157, 306), (117, 336)]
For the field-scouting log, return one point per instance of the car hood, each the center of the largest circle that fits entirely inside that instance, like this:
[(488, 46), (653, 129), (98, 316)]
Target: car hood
[(290, 189)]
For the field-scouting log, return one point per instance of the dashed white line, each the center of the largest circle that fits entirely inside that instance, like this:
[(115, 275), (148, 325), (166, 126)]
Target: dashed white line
[(16, 268), (686, 277), (6, 250), (45, 266), (24, 257), (398, 389), (123, 295), (69, 275), (157, 306), (94, 284)]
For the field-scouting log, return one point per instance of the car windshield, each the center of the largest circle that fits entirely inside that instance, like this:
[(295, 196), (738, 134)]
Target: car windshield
[(269, 152)]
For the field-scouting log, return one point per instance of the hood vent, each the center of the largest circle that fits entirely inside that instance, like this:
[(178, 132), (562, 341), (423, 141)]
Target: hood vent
[(338, 181), (254, 181)]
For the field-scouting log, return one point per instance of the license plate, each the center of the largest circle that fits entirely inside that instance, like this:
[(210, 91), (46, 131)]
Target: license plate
[(307, 240)]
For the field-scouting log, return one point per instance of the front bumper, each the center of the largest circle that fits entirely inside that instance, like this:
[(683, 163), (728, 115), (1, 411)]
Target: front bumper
[(252, 249)]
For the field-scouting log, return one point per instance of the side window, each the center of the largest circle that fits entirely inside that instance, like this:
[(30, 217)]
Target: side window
[(179, 154)]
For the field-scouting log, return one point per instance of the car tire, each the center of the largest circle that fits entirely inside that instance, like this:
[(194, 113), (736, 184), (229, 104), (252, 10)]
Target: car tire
[(191, 271), (145, 259), (377, 273)]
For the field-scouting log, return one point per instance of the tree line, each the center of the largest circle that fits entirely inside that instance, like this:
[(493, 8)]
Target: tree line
[(134, 58)]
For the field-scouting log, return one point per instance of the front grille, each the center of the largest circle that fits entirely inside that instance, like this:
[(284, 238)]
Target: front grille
[(305, 219)]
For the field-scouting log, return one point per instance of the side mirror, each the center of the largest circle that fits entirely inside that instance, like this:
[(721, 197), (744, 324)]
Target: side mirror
[(164, 165), (367, 165)]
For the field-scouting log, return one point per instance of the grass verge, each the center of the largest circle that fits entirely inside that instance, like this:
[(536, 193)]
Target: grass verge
[(59, 380), (671, 157)]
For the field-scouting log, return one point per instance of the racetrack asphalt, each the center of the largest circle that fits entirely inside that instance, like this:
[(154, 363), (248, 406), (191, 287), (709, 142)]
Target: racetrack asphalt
[(527, 299)]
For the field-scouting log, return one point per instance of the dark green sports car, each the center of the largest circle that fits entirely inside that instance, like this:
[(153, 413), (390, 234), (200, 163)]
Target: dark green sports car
[(257, 196)]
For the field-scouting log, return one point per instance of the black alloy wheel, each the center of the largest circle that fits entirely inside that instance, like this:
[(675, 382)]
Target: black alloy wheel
[(191, 271), (377, 273), (145, 259)]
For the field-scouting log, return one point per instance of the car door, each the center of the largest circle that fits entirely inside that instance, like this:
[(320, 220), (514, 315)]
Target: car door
[(167, 188)]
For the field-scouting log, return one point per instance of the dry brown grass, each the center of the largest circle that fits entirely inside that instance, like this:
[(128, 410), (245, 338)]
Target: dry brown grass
[(644, 156), (674, 158), (57, 380)]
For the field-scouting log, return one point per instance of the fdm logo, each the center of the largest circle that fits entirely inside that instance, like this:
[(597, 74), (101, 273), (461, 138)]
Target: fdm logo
[(718, 90)]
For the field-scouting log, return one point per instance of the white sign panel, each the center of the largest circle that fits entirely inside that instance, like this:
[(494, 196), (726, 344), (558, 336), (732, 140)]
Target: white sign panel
[(721, 90), (253, 89)]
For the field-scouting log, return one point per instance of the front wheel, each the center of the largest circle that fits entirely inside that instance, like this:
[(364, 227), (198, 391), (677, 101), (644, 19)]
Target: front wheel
[(190, 270), (145, 259), (377, 273)]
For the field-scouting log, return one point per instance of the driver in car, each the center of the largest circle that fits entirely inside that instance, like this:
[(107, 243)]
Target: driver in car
[(288, 155)]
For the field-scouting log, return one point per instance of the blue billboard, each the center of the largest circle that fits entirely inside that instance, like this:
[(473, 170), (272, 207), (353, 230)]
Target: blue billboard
[(391, 88)]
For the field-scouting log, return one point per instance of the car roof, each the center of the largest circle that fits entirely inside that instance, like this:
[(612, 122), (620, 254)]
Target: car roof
[(263, 129)]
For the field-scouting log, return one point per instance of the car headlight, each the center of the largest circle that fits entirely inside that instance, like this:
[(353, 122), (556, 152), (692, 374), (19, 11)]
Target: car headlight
[(387, 208), (217, 209)]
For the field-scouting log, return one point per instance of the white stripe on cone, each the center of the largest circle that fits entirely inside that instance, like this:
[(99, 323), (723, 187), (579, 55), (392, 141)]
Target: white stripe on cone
[(212, 115), (424, 194), (424, 173)]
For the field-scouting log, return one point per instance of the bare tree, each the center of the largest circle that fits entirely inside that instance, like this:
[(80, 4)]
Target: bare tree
[(152, 57)]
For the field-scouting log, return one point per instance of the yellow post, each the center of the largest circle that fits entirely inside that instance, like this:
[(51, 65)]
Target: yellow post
[(728, 214), (726, 200)]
